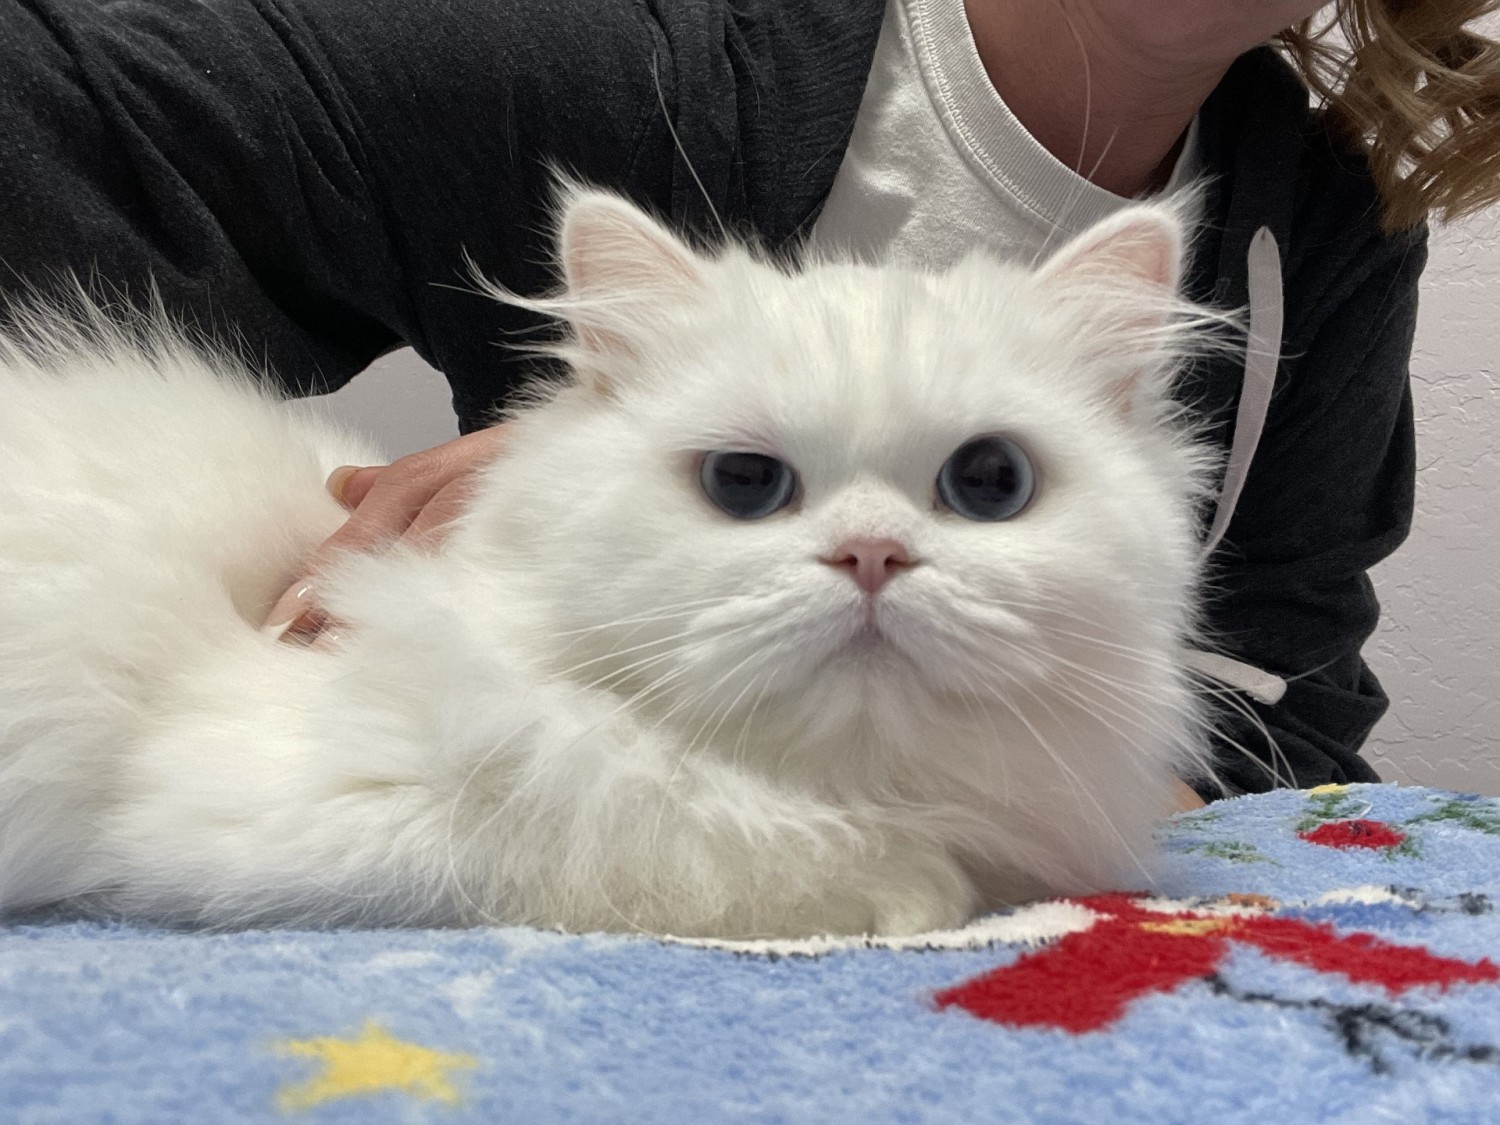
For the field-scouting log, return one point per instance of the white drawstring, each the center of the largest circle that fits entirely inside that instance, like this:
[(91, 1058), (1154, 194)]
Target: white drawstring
[(1262, 356)]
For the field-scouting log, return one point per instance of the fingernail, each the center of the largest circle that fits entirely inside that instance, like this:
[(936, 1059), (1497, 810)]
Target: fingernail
[(292, 606), (338, 479)]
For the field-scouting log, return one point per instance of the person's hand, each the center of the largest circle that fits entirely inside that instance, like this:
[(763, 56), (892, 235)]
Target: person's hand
[(411, 499), (1184, 799)]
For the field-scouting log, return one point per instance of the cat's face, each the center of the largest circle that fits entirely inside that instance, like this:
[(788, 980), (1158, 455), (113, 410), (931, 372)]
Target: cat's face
[(855, 483)]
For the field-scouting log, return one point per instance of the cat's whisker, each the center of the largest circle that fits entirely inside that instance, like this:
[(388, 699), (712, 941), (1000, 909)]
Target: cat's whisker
[(727, 711), (615, 653), (1103, 645), (1231, 698), (1097, 674), (720, 711), (689, 702), (676, 609), (1079, 785), (456, 880), (1142, 724), (1146, 724), (518, 792), (1235, 701), (1121, 690), (615, 676), (1000, 743), (690, 745), (1130, 695), (1277, 757), (1205, 685), (613, 679), (741, 742), (1136, 738)]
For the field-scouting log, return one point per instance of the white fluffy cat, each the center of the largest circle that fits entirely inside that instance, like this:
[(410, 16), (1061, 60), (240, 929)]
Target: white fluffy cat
[(844, 600)]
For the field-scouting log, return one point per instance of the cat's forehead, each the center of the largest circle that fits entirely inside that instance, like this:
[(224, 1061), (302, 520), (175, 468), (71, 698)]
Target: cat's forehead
[(856, 355)]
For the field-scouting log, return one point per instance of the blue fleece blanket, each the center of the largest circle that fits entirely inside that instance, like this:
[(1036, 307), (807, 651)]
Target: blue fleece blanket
[(1330, 955)]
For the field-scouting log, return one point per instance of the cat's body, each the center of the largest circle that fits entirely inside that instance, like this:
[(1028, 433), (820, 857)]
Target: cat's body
[(605, 703)]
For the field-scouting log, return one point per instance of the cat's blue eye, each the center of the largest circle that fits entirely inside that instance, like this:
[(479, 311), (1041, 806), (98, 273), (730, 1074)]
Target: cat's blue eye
[(987, 479), (748, 486)]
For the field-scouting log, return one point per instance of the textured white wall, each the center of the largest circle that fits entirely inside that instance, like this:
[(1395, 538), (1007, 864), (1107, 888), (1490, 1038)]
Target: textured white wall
[(404, 404), (1438, 650)]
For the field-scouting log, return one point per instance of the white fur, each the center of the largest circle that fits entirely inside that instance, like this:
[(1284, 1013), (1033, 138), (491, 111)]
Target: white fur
[(604, 704)]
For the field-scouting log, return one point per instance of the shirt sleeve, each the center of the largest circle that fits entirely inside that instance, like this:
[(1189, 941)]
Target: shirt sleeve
[(307, 177), (1329, 495)]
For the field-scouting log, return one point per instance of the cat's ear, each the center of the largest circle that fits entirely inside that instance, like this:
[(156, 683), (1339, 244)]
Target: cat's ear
[(1121, 277), (619, 265), (1141, 245)]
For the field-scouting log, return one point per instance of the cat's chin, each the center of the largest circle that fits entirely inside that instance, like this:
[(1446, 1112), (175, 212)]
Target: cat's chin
[(869, 659), (871, 642)]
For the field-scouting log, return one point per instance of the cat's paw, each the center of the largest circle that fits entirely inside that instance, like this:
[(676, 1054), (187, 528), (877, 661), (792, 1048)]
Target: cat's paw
[(898, 895), (902, 916), (916, 898)]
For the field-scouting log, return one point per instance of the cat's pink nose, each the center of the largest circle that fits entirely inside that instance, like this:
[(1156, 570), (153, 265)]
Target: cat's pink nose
[(870, 562)]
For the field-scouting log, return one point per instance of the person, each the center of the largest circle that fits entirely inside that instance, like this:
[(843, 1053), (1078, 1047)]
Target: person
[(309, 181)]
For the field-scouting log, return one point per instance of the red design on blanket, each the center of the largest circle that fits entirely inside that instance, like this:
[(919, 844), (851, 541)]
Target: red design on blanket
[(1087, 980), (1354, 834)]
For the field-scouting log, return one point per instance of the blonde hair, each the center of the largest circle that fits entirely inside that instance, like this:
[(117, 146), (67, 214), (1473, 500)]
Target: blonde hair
[(1420, 90)]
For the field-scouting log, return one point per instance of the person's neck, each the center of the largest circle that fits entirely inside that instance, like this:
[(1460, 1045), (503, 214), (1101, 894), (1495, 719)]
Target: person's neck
[(1116, 116)]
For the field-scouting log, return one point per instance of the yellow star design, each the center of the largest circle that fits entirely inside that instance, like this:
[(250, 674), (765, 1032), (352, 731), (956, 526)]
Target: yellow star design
[(374, 1062), (1190, 927)]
